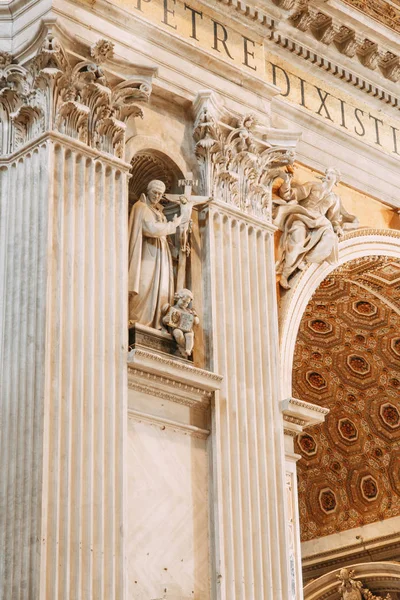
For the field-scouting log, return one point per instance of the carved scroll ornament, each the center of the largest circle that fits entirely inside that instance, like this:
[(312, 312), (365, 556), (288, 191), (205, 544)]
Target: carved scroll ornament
[(52, 94)]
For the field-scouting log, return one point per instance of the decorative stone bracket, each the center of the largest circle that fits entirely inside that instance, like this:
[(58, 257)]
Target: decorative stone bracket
[(239, 158), (306, 16), (298, 414), (51, 93)]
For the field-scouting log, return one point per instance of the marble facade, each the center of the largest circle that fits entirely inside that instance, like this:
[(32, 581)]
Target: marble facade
[(142, 460)]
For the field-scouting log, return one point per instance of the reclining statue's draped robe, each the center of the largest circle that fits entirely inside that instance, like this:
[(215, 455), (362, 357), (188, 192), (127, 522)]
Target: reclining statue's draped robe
[(150, 279)]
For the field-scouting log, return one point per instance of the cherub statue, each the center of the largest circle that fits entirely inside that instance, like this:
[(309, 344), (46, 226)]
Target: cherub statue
[(349, 588), (179, 319), (352, 589)]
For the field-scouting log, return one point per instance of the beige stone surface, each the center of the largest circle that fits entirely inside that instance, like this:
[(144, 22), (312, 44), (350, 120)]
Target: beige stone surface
[(205, 508), (168, 517), (328, 103)]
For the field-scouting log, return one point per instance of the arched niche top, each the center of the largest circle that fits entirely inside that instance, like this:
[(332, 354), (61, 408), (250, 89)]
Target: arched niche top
[(379, 577), (149, 164), (357, 244), (140, 143)]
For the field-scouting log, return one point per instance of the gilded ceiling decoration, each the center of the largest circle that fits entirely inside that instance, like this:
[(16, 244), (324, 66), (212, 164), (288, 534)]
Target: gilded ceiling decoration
[(347, 359), (382, 11)]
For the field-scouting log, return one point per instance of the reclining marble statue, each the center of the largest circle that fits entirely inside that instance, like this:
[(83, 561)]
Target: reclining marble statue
[(150, 278), (311, 218)]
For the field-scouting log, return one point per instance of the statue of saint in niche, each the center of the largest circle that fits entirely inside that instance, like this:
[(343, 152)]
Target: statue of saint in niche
[(311, 219), (150, 278)]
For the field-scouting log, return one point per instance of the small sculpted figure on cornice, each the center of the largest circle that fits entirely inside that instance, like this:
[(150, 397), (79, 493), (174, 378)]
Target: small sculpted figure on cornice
[(51, 93), (151, 277), (311, 218), (237, 165), (353, 589)]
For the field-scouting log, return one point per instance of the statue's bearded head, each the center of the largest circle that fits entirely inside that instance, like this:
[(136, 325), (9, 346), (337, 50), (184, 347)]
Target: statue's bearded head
[(155, 191)]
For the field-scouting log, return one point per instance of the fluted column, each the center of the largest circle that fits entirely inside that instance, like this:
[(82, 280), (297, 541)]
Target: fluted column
[(24, 184), (63, 335), (238, 165), (248, 438)]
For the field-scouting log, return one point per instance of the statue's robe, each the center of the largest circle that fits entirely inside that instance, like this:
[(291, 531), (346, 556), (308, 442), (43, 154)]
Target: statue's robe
[(150, 279), (308, 227)]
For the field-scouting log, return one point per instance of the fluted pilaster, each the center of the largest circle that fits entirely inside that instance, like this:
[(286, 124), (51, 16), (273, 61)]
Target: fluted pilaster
[(63, 383), (23, 248), (63, 336), (251, 537), (85, 363)]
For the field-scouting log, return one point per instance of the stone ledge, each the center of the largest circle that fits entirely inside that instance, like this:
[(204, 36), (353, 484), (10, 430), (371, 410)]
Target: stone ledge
[(298, 414), (175, 379)]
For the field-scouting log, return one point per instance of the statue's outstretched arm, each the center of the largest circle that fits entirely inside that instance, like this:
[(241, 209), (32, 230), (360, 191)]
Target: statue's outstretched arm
[(155, 230)]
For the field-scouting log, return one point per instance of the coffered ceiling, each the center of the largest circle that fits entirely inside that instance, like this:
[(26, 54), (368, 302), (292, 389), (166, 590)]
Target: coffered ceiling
[(347, 359)]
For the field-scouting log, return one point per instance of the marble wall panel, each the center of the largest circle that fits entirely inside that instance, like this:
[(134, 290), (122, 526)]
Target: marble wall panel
[(167, 514)]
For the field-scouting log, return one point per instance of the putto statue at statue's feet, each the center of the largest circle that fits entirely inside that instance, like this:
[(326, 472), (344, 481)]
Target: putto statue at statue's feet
[(179, 319)]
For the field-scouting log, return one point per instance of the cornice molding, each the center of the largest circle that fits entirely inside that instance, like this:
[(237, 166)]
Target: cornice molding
[(281, 23), (337, 70), (167, 389), (355, 39), (164, 423), (298, 414)]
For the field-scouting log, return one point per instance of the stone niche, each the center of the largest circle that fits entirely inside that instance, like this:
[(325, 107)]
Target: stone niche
[(149, 164), (168, 429)]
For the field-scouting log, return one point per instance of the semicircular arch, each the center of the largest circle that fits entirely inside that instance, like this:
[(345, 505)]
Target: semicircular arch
[(376, 576), (357, 244)]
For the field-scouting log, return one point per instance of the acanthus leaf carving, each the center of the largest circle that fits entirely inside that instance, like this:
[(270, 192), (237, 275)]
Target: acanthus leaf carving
[(390, 66), (325, 29), (348, 42), (50, 94), (237, 165), (27, 124), (304, 17), (72, 118), (5, 59)]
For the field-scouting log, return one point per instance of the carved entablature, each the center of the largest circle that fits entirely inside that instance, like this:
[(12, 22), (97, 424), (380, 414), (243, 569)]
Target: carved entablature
[(237, 164), (52, 94), (306, 16)]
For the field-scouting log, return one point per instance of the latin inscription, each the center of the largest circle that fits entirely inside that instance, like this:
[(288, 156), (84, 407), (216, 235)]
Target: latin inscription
[(358, 121), (204, 29)]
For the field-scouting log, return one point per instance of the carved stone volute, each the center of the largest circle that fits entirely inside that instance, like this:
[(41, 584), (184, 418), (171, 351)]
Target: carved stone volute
[(51, 94), (237, 164)]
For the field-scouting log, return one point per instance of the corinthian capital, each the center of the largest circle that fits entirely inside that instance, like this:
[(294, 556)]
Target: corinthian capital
[(50, 93), (238, 157)]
